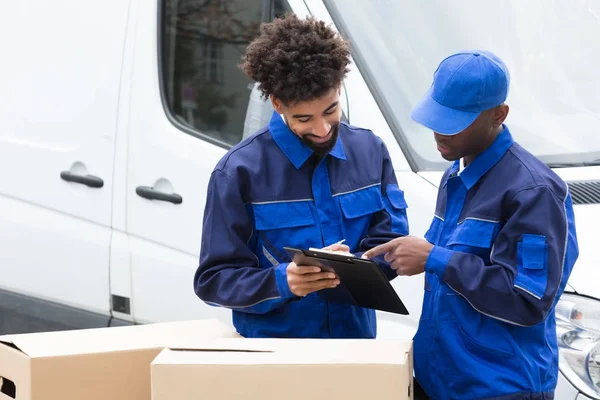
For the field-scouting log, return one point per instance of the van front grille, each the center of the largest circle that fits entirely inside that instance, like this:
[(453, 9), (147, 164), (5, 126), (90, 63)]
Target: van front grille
[(585, 192)]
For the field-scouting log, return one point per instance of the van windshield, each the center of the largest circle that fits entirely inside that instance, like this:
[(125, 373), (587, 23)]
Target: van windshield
[(550, 47)]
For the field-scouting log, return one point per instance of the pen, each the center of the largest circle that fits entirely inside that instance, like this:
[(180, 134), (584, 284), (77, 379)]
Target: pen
[(340, 242)]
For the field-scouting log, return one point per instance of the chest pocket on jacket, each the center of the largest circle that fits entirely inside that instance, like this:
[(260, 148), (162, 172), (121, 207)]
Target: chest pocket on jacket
[(474, 236), (357, 209), (396, 206), (282, 224), (435, 230)]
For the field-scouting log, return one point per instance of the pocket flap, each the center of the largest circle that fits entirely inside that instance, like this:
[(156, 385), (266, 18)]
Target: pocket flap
[(533, 250), (396, 196), (288, 214), (532, 265), (361, 202), (435, 229), (475, 233)]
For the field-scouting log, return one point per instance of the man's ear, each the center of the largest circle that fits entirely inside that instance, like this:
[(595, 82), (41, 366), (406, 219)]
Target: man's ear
[(499, 114), (277, 104)]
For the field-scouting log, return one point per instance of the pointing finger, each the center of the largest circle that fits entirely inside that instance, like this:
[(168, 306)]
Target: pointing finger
[(381, 249)]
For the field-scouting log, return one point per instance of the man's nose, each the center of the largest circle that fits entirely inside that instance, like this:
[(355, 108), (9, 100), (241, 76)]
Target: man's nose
[(322, 129)]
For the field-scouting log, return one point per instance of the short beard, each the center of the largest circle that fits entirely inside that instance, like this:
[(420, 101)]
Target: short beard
[(322, 149)]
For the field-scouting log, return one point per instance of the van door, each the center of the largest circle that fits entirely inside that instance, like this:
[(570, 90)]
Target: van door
[(59, 85), (184, 116)]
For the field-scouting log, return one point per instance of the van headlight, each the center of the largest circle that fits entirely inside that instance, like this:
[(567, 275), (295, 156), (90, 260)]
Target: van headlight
[(578, 333)]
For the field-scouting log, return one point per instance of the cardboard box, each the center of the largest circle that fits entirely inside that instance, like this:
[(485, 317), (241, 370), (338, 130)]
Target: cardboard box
[(275, 369), (89, 364)]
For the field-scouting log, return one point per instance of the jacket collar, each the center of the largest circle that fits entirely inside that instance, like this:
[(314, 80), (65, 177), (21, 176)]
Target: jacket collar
[(484, 161), (293, 147)]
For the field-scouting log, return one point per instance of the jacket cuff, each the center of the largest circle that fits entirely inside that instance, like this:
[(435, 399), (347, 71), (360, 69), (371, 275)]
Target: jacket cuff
[(281, 280), (437, 260)]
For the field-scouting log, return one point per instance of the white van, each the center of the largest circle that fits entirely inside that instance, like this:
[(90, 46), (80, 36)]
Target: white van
[(114, 113)]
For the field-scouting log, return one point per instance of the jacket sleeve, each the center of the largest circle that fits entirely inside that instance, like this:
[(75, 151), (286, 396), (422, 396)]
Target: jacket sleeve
[(527, 262), (229, 274), (392, 221)]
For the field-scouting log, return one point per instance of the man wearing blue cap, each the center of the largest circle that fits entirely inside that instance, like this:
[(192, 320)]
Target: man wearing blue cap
[(499, 250)]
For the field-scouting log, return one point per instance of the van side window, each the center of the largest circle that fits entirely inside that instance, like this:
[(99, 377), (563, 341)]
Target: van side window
[(204, 91)]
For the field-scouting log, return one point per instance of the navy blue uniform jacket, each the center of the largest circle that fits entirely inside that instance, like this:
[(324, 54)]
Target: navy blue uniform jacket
[(271, 191), (505, 245)]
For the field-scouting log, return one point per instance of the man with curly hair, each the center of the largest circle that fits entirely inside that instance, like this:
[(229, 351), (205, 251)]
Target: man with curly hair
[(305, 180)]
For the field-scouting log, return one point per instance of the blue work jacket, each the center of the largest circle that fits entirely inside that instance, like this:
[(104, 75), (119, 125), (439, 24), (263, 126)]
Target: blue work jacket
[(505, 245), (271, 191)]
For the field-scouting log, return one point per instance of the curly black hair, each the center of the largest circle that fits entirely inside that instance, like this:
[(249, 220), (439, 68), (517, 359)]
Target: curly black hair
[(296, 60)]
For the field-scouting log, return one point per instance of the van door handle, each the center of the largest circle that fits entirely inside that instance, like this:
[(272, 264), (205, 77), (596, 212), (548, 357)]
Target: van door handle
[(88, 180), (150, 193)]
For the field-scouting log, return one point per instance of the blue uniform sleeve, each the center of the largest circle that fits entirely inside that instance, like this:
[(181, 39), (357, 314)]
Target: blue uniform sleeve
[(229, 274), (520, 283), (392, 221)]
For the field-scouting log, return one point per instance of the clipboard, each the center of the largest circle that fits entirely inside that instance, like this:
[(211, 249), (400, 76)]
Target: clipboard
[(362, 280)]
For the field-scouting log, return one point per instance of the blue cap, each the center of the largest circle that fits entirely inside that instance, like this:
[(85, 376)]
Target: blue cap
[(464, 85)]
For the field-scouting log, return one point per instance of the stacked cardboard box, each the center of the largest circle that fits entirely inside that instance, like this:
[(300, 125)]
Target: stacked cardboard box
[(285, 369), (196, 360), (90, 364)]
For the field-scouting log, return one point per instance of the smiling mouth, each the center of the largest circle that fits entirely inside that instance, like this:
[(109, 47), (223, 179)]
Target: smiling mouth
[(321, 140)]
